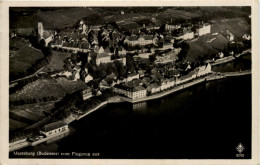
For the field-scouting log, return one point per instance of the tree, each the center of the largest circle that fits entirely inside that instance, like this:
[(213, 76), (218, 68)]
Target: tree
[(184, 50), (46, 51), (130, 63), (120, 69), (42, 43), (152, 58)]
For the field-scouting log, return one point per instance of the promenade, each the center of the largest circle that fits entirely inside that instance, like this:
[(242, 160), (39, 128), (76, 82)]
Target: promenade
[(213, 76)]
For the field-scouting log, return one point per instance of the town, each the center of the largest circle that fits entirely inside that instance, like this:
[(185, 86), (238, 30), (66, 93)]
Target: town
[(81, 67)]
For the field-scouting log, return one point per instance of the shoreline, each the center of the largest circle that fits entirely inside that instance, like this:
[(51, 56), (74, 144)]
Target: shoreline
[(229, 58), (119, 99), (207, 78)]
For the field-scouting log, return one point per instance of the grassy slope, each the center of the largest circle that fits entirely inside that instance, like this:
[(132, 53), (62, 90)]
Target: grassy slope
[(24, 59), (64, 17), (14, 124), (57, 18), (57, 62), (175, 14), (237, 26)]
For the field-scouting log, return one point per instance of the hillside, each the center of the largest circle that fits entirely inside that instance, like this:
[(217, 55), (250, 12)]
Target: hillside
[(209, 45), (237, 26), (23, 59)]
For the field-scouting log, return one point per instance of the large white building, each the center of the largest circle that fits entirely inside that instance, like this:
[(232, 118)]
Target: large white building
[(54, 128), (203, 70), (130, 92), (203, 29)]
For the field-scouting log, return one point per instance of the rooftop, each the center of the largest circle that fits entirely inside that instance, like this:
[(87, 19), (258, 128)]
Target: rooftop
[(53, 126)]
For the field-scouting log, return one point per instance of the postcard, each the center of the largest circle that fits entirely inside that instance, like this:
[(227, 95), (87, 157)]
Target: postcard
[(129, 82)]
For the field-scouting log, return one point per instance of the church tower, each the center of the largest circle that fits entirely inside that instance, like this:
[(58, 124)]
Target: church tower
[(40, 29)]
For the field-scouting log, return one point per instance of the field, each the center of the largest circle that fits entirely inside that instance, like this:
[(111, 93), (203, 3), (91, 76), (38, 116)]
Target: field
[(24, 58), (51, 17), (39, 89), (15, 43), (172, 14), (33, 112), (57, 62), (14, 124)]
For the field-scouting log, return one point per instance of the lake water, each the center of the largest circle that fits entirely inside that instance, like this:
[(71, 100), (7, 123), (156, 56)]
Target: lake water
[(206, 121)]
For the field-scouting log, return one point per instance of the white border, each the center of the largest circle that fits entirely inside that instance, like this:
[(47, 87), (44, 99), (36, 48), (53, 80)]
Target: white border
[(4, 71)]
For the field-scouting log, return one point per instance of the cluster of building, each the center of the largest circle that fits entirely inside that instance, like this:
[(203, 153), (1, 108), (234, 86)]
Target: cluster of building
[(106, 44), (140, 86)]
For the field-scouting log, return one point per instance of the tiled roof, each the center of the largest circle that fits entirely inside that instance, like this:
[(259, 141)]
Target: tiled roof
[(147, 37), (133, 38), (53, 126), (102, 55), (154, 85), (46, 34), (141, 72)]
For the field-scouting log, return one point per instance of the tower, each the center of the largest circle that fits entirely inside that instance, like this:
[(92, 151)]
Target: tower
[(40, 29)]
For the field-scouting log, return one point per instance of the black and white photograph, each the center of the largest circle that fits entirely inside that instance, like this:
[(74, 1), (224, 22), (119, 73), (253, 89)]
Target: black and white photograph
[(130, 82)]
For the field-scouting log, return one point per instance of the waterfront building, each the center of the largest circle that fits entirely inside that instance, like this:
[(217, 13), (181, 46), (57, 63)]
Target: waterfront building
[(177, 81), (154, 88), (54, 128), (186, 78), (203, 70), (130, 92), (165, 84), (172, 82), (138, 92)]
